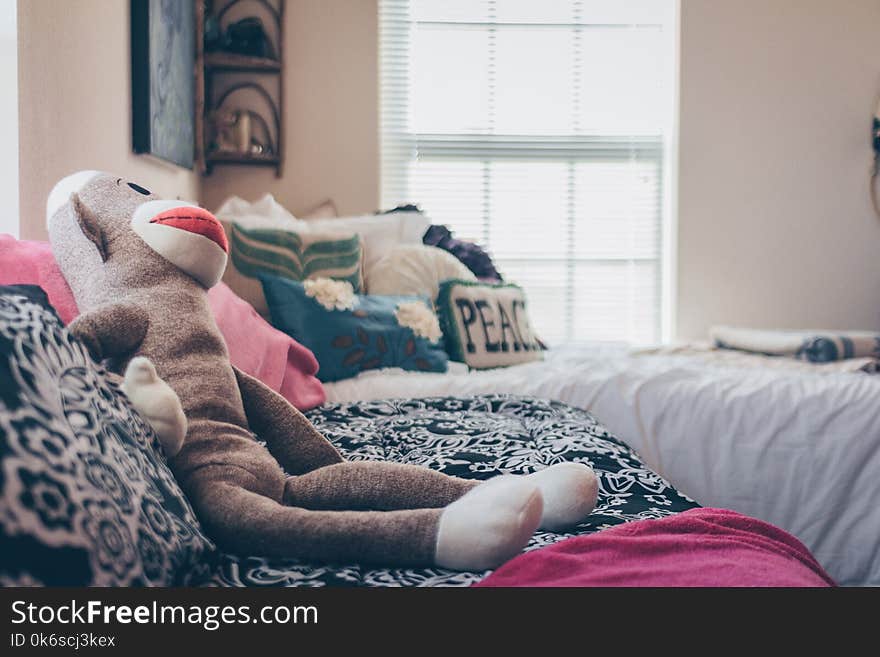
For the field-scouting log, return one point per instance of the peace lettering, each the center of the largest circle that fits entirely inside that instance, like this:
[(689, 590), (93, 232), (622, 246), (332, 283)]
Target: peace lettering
[(501, 325)]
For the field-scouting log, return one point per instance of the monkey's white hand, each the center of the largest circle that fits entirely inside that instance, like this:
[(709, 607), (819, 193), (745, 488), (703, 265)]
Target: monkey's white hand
[(157, 402)]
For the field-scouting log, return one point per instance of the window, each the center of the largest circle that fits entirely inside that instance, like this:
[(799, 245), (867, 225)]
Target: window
[(538, 129)]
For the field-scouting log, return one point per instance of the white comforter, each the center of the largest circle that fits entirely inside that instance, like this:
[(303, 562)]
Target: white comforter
[(800, 450)]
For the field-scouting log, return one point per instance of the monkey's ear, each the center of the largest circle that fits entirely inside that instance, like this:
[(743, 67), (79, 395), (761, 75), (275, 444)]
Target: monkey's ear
[(88, 224)]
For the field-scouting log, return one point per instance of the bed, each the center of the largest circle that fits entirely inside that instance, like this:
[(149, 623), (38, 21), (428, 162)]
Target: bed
[(797, 447), (474, 437), (726, 437), (87, 498), (794, 444)]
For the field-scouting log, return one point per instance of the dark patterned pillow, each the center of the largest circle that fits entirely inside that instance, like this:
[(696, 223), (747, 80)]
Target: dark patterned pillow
[(86, 497), (474, 257), (470, 254)]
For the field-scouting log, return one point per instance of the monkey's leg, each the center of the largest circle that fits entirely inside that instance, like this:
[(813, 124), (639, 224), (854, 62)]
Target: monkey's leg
[(290, 437), (480, 530), (374, 485), (569, 490), (251, 524)]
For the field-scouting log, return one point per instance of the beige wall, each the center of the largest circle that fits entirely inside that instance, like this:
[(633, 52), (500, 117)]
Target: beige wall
[(75, 106), (332, 113), (75, 103), (9, 117), (775, 225)]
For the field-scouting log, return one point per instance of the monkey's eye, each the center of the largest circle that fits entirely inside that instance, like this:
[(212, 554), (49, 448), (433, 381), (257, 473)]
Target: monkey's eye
[(139, 189)]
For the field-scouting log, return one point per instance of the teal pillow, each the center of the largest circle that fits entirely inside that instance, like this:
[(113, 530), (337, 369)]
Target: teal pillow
[(349, 340)]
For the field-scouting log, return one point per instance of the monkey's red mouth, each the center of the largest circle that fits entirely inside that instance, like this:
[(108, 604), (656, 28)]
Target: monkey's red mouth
[(194, 220)]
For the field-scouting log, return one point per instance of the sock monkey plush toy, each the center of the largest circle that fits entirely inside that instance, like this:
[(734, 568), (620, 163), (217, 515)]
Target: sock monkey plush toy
[(140, 268)]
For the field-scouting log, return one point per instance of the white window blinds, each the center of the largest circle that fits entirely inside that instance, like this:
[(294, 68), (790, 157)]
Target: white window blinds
[(537, 129)]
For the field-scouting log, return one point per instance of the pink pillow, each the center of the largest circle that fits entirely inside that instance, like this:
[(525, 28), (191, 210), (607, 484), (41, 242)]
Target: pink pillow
[(261, 350), (32, 263), (254, 345)]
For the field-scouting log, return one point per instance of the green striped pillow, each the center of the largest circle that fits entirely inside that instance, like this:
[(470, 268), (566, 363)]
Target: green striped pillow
[(297, 256)]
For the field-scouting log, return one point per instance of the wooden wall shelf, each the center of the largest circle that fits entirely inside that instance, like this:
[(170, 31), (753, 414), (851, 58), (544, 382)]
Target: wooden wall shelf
[(228, 61), (219, 74), (236, 158)]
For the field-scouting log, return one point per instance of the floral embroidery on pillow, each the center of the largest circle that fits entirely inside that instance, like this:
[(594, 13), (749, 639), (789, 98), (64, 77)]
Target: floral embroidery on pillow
[(333, 295), (417, 316)]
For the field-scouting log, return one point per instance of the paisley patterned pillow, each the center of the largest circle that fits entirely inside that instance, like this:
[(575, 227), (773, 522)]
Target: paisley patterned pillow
[(86, 497)]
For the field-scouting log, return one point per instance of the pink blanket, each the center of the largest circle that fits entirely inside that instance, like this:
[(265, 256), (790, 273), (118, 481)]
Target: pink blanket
[(699, 547), (254, 346)]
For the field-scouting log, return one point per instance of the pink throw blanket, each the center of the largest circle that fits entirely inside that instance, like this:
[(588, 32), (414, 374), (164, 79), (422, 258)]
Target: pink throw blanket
[(699, 547), (254, 345)]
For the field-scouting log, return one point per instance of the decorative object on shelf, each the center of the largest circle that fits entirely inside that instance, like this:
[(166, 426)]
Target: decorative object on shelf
[(239, 83), (240, 132), (163, 90), (248, 37), (213, 33), (223, 127)]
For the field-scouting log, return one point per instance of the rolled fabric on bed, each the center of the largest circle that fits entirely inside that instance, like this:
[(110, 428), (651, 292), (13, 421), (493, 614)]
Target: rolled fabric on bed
[(827, 348), (815, 346)]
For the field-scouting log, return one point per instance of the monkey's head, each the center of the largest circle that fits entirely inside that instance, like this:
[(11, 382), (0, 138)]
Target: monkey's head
[(105, 229)]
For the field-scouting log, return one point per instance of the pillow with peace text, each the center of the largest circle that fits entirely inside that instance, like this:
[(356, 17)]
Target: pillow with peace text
[(486, 325)]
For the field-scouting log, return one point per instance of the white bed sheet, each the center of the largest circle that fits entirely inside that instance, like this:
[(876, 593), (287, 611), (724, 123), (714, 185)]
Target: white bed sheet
[(799, 450)]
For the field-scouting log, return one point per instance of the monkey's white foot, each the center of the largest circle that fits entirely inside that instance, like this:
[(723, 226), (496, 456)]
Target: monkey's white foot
[(569, 490), (157, 402), (488, 525)]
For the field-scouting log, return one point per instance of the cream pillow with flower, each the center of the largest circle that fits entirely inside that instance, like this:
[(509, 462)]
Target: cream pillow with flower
[(415, 270)]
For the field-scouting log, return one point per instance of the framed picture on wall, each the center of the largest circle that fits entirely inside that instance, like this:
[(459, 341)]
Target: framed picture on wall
[(162, 79)]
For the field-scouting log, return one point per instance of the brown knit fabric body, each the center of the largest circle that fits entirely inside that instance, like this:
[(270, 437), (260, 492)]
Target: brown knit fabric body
[(136, 303)]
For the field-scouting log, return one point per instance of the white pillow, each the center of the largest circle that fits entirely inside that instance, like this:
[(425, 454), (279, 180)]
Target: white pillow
[(415, 270), (324, 210), (380, 233), (264, 213)]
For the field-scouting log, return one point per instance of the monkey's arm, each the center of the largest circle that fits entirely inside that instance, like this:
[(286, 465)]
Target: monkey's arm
[(290, 437), (112, 331)]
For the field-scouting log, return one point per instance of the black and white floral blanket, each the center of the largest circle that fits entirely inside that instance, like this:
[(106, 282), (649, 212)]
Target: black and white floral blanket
[(476, 438)]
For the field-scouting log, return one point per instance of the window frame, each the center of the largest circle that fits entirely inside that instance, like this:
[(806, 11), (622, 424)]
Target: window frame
[(569, 149)]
